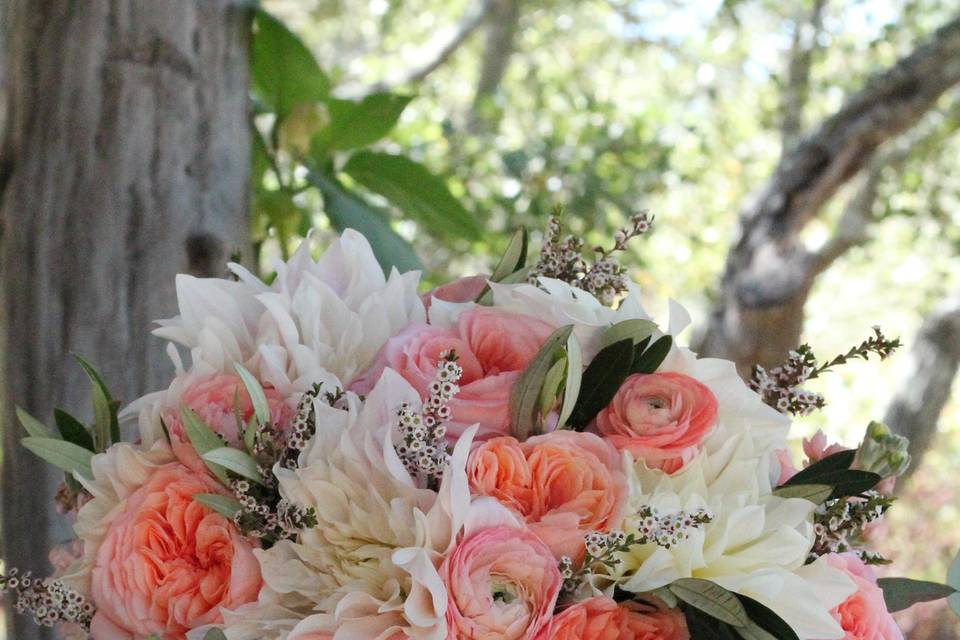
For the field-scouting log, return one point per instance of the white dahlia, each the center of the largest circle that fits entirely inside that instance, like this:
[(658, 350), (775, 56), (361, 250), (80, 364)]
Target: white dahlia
[(369, 566)]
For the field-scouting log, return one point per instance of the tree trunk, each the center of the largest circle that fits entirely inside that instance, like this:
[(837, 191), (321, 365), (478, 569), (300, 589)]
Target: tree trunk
[(503, 21), (927, 379), (769, 272), (124, 161)]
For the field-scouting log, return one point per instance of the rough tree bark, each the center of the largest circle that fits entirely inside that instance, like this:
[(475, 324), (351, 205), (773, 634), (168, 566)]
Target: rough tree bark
[(124, 161), (927, 378), (769, 272), (502, 23)]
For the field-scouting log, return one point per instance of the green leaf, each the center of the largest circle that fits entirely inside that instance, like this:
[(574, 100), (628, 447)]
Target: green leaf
[(236, 461), (258, 398), (106, 425), (358, 124), (514, 258), (486, 296), (61, 454), (764, 623), (552, 384), (250, 435), (283, 71), (571, 387), (704, 627), (224, 505), (214, 634), (834, 470), (347, 211), (32, 426), (953, 579), (525, 396), (73, 430), (636, 330), (815, 493), (903, 593), (203, 439), (601, 381), (277, 209), (834, 462), (415, 191), (712, 599), (649, 360)]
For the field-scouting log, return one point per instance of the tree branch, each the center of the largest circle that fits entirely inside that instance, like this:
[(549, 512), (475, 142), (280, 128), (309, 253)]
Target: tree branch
[(797, 89), (439, 50), (927, 379), (503, 20)]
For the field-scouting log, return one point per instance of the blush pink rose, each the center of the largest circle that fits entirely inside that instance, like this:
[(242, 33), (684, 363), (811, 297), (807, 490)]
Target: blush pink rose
[(785, 460), (601, 618), (659, 418), (502, 584), (816, 448), (465, 289), (167, 563), (864, 615), (218, 399), (563, 484), (493, 347)]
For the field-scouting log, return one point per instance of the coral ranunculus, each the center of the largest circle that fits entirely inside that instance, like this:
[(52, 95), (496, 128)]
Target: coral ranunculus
[(601, 618), (503, 583), (659, 418), (863, 615), (563, 484), (219, 399), (493, 348), (167, 563)]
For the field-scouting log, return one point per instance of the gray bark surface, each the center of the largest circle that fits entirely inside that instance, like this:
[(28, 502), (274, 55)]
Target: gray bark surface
[(124, 161), (768, 273)]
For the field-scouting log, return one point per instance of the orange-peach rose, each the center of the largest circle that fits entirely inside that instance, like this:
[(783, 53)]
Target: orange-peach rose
[(493, 347), (563, 484), (660, 418), (218, 399), (601, 618), (167, 563), (864, 615), (502, 583)]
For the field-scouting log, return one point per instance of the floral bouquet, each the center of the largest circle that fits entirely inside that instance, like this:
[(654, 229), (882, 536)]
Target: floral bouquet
[(525, 455)]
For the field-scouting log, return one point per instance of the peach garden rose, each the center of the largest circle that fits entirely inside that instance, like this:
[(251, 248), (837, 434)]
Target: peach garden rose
[(168, 564), (502, 582), (659, 418), (493, 347), (864, 615), (219, 399), (601, 618), (563, 484)]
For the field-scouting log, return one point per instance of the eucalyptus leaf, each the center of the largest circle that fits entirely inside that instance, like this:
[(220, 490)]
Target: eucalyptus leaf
[(258, 398), (72, 430), (236, 461), (571, 387), (518, 276), (214, 634), (704, 627), (815, 493), (834, 462), (61, 454), (203, 439), (525, 396), (953, 579), (552, 383), (601, 381), (903, 593), (514, 258), (635, 329), (648, 360), (226, 506), (711, 599), (32, 426), (106, 425), (765, 624)]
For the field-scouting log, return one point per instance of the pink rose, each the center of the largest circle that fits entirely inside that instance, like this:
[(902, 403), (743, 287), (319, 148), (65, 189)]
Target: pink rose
[(493, 347), (564, 484), (660, 418), (465, 289), (218, 399), (785, 460), (502, 583), (816, 448), (601, 618), (864, 615), (167, 563)]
